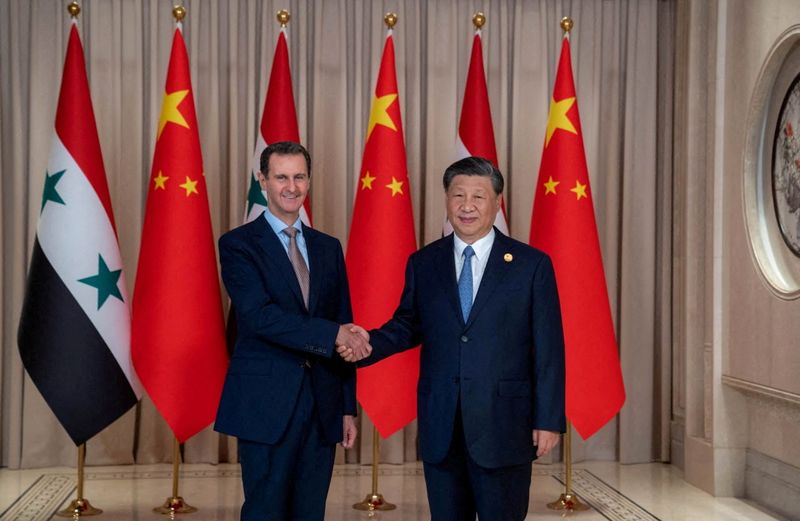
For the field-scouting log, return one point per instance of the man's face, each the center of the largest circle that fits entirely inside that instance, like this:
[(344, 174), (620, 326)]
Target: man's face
[(286, 184), (472, 206)]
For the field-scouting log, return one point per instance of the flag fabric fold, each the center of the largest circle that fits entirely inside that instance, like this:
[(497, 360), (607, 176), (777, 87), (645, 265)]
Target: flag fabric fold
[(74, 331), (563, 225), (278, 123), (178, 339), (475, 130), (381, 239)]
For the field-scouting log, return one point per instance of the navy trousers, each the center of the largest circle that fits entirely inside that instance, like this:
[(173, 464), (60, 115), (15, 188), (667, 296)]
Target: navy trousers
[(458, 488), (290, 479)]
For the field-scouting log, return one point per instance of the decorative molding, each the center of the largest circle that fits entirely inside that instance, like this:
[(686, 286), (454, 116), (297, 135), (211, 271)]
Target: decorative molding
[(761, 390)]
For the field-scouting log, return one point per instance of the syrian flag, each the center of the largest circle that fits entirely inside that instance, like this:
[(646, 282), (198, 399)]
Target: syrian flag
[(74, 332), (278, 123), (475, 132)]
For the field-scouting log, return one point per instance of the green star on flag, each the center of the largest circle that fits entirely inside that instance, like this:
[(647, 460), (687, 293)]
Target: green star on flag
[(50, 193), (105, 281), (255, 195)]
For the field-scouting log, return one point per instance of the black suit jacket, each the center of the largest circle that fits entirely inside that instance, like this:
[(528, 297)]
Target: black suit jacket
[(505, 365), (277, 335)]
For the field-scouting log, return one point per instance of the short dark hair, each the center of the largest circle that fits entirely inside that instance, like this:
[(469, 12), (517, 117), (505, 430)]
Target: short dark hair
[(284, 148), (474, 165)]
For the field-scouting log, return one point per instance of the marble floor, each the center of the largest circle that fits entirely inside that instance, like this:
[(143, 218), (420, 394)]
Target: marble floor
[(651, 492)]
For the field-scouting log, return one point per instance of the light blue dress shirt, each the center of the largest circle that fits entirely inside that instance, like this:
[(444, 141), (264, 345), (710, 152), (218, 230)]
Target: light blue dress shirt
[(278, 226)]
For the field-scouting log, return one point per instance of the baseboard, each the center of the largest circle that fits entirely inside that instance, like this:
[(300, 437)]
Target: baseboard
[(773, 484)]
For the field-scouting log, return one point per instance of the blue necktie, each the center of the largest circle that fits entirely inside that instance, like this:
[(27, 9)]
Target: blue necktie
[(465, 283)]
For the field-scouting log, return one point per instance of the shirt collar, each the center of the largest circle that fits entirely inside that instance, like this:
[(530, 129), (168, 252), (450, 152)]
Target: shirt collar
[(278, 226), (481, 247)]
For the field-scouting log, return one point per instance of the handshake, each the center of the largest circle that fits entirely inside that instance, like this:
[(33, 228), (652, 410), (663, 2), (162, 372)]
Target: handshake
[(352, 343)]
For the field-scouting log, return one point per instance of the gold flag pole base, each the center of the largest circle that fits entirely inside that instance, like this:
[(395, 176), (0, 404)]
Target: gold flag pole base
[(174, 505), (78, 508), (568, 502), (374, 502)]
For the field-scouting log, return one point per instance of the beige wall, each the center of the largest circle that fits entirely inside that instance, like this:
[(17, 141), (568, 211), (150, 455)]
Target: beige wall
[(737, 342)]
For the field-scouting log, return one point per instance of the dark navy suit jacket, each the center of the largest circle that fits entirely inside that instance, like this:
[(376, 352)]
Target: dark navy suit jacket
[(505, 365), (277, 335)]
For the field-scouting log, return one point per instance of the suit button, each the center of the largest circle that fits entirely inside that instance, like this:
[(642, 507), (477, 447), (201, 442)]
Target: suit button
[(464, 338)]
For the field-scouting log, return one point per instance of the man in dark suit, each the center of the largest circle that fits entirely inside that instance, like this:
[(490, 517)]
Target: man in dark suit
[(288, 396), (491, 388)]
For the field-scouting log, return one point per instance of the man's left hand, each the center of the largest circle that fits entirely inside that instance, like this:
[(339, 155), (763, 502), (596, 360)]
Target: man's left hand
[(350, 431), (545, 441)]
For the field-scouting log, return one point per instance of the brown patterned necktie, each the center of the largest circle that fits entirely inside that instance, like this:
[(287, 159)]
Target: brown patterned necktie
[(298, 263)]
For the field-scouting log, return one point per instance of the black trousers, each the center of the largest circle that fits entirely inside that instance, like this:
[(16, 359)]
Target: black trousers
[(458, 488), (290, 479)]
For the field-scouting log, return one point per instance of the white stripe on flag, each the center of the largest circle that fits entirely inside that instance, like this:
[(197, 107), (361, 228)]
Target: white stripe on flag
[(72, 235)]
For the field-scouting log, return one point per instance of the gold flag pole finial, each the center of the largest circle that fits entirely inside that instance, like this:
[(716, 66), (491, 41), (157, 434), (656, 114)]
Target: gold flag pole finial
[(390, 20), (283, 17), (74, 9), (478, 20), (179, 12), (566, 24)]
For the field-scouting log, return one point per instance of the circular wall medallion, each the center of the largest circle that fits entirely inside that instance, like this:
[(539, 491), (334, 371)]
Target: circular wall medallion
[(786, 168), (771, 168)]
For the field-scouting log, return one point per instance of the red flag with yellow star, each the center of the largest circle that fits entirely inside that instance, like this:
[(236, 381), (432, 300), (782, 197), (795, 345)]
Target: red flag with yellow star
[(381, 239), (178, 339), (563, 226)]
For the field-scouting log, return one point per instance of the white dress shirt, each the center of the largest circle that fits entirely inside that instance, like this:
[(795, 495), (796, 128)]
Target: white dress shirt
[(482, 248)]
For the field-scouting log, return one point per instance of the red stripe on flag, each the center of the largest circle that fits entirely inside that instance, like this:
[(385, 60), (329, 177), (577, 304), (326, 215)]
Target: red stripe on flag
[(75, 123)]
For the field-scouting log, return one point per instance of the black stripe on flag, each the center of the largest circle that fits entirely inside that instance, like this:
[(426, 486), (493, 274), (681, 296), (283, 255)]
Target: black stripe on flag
[(67, 358)]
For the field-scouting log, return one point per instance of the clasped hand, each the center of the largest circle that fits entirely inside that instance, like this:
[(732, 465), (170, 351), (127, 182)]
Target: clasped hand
[(352, 343)]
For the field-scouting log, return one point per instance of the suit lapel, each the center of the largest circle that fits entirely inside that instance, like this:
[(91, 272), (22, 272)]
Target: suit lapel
[(495, 270), (276, 256), (316, 266), (445, 261)]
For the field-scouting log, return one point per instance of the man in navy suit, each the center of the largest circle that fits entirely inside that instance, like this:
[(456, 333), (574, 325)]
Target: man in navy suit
[(288, 397), (491, 389)]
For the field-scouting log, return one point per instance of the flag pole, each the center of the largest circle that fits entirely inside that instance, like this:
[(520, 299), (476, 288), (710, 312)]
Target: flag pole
[(80, 506), (375, 501), (175, 503), (568, 500)]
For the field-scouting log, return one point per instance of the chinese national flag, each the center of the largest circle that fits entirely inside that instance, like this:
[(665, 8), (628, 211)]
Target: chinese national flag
[(178, 339), (563, 225), (278, 123), (475, 132), (381, 239)]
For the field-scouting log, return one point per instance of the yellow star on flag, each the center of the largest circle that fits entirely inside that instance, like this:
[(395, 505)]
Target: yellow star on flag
[(379, 114), (550, 186), (579, 190), (190, 186), (170, 112), (395, 186), (366, 181), (558, 117), (161, 181)]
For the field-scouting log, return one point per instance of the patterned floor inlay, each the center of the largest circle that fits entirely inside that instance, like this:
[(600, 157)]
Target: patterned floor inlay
[(51, 492), (605, 499)]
